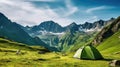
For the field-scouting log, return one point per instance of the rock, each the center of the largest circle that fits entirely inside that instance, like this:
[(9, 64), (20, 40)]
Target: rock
[(18, 52), (114, 63), (64, 54), (41, 52)]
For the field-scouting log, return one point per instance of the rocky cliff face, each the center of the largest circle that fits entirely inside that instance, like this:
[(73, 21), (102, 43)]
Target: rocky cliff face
[(48, 26), (107, 31)]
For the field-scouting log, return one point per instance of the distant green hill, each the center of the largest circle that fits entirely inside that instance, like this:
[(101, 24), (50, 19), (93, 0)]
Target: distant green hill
[(6, 45), (70, 42)]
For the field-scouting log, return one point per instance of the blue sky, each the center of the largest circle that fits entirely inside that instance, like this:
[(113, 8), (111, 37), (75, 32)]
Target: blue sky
[(63, 12)]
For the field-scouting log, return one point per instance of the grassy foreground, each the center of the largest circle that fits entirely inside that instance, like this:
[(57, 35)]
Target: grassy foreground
[(51, 59), (29, 57)]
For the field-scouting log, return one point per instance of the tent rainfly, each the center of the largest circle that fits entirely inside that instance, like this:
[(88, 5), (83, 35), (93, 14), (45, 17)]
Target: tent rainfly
[(88, 52)]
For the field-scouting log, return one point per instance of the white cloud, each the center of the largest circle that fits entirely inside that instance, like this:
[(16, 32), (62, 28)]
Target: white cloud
[(70, 8), (90, 10), (90, 19), (26, 13)]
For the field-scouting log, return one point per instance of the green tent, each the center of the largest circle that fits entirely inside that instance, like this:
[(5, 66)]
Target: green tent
[(88, 52)]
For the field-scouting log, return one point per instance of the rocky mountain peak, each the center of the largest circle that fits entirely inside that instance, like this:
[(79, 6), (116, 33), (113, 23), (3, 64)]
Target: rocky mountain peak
[(73, 24)]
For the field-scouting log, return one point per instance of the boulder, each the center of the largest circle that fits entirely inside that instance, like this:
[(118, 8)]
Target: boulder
[(18, 52), (114, 63), (41, 52)]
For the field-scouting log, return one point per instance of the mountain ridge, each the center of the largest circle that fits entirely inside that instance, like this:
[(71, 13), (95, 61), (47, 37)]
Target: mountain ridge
[(13, 31), (59, 38), (108, 40), (52, 35), (107, 31), (51, 26)]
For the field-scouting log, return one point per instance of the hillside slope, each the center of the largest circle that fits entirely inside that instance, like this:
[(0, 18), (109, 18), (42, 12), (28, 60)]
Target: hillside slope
[(107, 31), (111, 45), (13, 31), (108, 40), (6, 45)]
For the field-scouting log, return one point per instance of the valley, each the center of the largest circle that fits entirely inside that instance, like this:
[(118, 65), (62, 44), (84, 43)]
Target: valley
[(64, 38), (52, 45)]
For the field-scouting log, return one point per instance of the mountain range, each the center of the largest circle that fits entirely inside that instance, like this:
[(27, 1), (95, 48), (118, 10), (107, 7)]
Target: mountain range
[(50, 34), (64, 38), (51, 26)]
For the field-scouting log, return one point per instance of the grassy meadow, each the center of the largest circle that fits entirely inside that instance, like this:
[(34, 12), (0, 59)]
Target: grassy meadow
[(52, 59), (29, 57)]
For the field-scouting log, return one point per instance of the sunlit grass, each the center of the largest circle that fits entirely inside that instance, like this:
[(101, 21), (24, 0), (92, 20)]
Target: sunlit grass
[(51, 59), (29, 57)]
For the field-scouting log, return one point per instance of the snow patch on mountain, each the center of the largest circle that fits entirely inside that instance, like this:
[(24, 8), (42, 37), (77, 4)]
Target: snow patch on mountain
[(57, 33), (44, 32)]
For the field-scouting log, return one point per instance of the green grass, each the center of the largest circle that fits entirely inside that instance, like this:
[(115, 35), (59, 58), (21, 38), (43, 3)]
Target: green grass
[(111, 45), (6, 44), (29, 57), (32, 59), (51, 59)]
